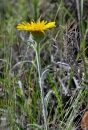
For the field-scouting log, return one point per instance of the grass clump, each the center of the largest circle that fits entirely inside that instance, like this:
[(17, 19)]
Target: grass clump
[(57, 66)]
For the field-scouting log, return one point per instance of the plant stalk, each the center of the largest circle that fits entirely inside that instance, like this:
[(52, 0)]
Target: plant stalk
[(40, 85)]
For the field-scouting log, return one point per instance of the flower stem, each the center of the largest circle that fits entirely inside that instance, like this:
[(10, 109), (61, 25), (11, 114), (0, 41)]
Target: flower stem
[(40, 84)]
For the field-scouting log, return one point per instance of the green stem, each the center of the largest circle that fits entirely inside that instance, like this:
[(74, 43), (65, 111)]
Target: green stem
[(40, 84)]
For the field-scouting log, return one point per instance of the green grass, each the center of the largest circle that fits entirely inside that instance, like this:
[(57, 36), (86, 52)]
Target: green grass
[(21, 103)]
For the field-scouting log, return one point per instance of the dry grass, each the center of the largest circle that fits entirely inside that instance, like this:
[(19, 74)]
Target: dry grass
[(64, 57)]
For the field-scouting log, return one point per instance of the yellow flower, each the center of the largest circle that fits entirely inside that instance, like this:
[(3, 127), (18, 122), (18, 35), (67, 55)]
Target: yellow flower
[(36, 27)]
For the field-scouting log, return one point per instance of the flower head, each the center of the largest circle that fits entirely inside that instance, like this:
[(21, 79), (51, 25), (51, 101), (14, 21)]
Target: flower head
[(36, 27)]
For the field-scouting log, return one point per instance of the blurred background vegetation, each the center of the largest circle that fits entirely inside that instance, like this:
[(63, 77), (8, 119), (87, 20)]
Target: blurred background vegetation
[(64, 50)]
